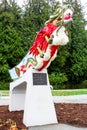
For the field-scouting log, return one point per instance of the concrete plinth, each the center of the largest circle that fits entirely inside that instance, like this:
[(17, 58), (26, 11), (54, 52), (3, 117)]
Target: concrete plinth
[(32, 94)]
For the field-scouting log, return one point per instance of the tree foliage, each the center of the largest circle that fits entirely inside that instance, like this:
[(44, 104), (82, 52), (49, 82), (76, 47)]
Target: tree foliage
[(78, 50), (10, 40), (35, 14), (72, 59), (18, 28)]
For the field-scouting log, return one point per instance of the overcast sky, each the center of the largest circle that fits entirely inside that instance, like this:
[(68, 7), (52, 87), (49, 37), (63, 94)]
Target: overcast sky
[(20, 2), (83, 2)]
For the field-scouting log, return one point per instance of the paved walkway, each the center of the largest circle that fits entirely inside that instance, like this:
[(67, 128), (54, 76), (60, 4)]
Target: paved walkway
[(71, 99), (4, 100), (56, 127), (57, 99)]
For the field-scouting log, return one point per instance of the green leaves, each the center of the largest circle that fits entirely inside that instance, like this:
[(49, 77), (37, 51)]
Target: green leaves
[(18, 29), (57, 80), (78, 57)]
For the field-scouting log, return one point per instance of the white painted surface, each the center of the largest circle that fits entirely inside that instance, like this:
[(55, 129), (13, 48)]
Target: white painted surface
[(17, 95), (35, 100), (39, 107)]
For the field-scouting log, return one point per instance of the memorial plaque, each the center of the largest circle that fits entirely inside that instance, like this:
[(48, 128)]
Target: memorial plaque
[(39, 79)]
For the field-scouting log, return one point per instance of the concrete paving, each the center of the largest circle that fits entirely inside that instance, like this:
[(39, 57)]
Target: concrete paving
[(71, 99), (56, 127), (4, 100)]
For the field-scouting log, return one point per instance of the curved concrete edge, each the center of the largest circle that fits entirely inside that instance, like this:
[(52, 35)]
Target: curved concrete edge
[(71, 99), (56, 127), (4, 100)]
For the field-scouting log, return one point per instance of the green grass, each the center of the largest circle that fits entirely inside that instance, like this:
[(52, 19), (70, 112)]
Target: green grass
[(56, 92), (4, 92), (69, 92)]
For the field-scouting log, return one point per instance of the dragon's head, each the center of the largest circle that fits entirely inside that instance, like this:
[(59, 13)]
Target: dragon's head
[(68, 16), (62, 15)]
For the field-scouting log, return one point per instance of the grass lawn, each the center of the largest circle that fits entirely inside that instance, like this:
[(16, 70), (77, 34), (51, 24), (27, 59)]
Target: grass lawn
[(4, 92), (56, 92), (69, 92)]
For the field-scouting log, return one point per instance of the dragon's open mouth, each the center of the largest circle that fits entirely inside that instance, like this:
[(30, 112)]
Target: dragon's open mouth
[(68, 15)]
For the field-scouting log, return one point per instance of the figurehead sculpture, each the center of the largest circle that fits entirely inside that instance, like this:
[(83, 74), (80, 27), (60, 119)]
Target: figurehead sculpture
[(47, 42)]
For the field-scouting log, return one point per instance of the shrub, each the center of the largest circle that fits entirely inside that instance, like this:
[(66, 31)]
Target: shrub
[(4, 86), (57, 80)]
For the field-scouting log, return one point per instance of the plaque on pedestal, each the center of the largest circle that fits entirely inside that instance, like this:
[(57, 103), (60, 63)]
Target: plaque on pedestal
[(39, 107), (39, 79), (32, 94)]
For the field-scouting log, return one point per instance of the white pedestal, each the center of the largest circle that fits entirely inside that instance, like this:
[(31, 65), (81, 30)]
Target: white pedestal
[(32, 93), (17, 94)]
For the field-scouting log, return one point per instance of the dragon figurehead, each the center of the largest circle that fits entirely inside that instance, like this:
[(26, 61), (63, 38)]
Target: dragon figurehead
[(47, 42)]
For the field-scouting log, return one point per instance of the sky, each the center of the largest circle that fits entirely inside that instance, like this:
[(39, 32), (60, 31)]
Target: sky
[(83, 2), (20, 2)]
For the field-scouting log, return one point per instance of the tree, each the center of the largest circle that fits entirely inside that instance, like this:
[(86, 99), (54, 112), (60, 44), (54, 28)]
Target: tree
[(11, 49), (35, 14), (78, 47), (71, 61)]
